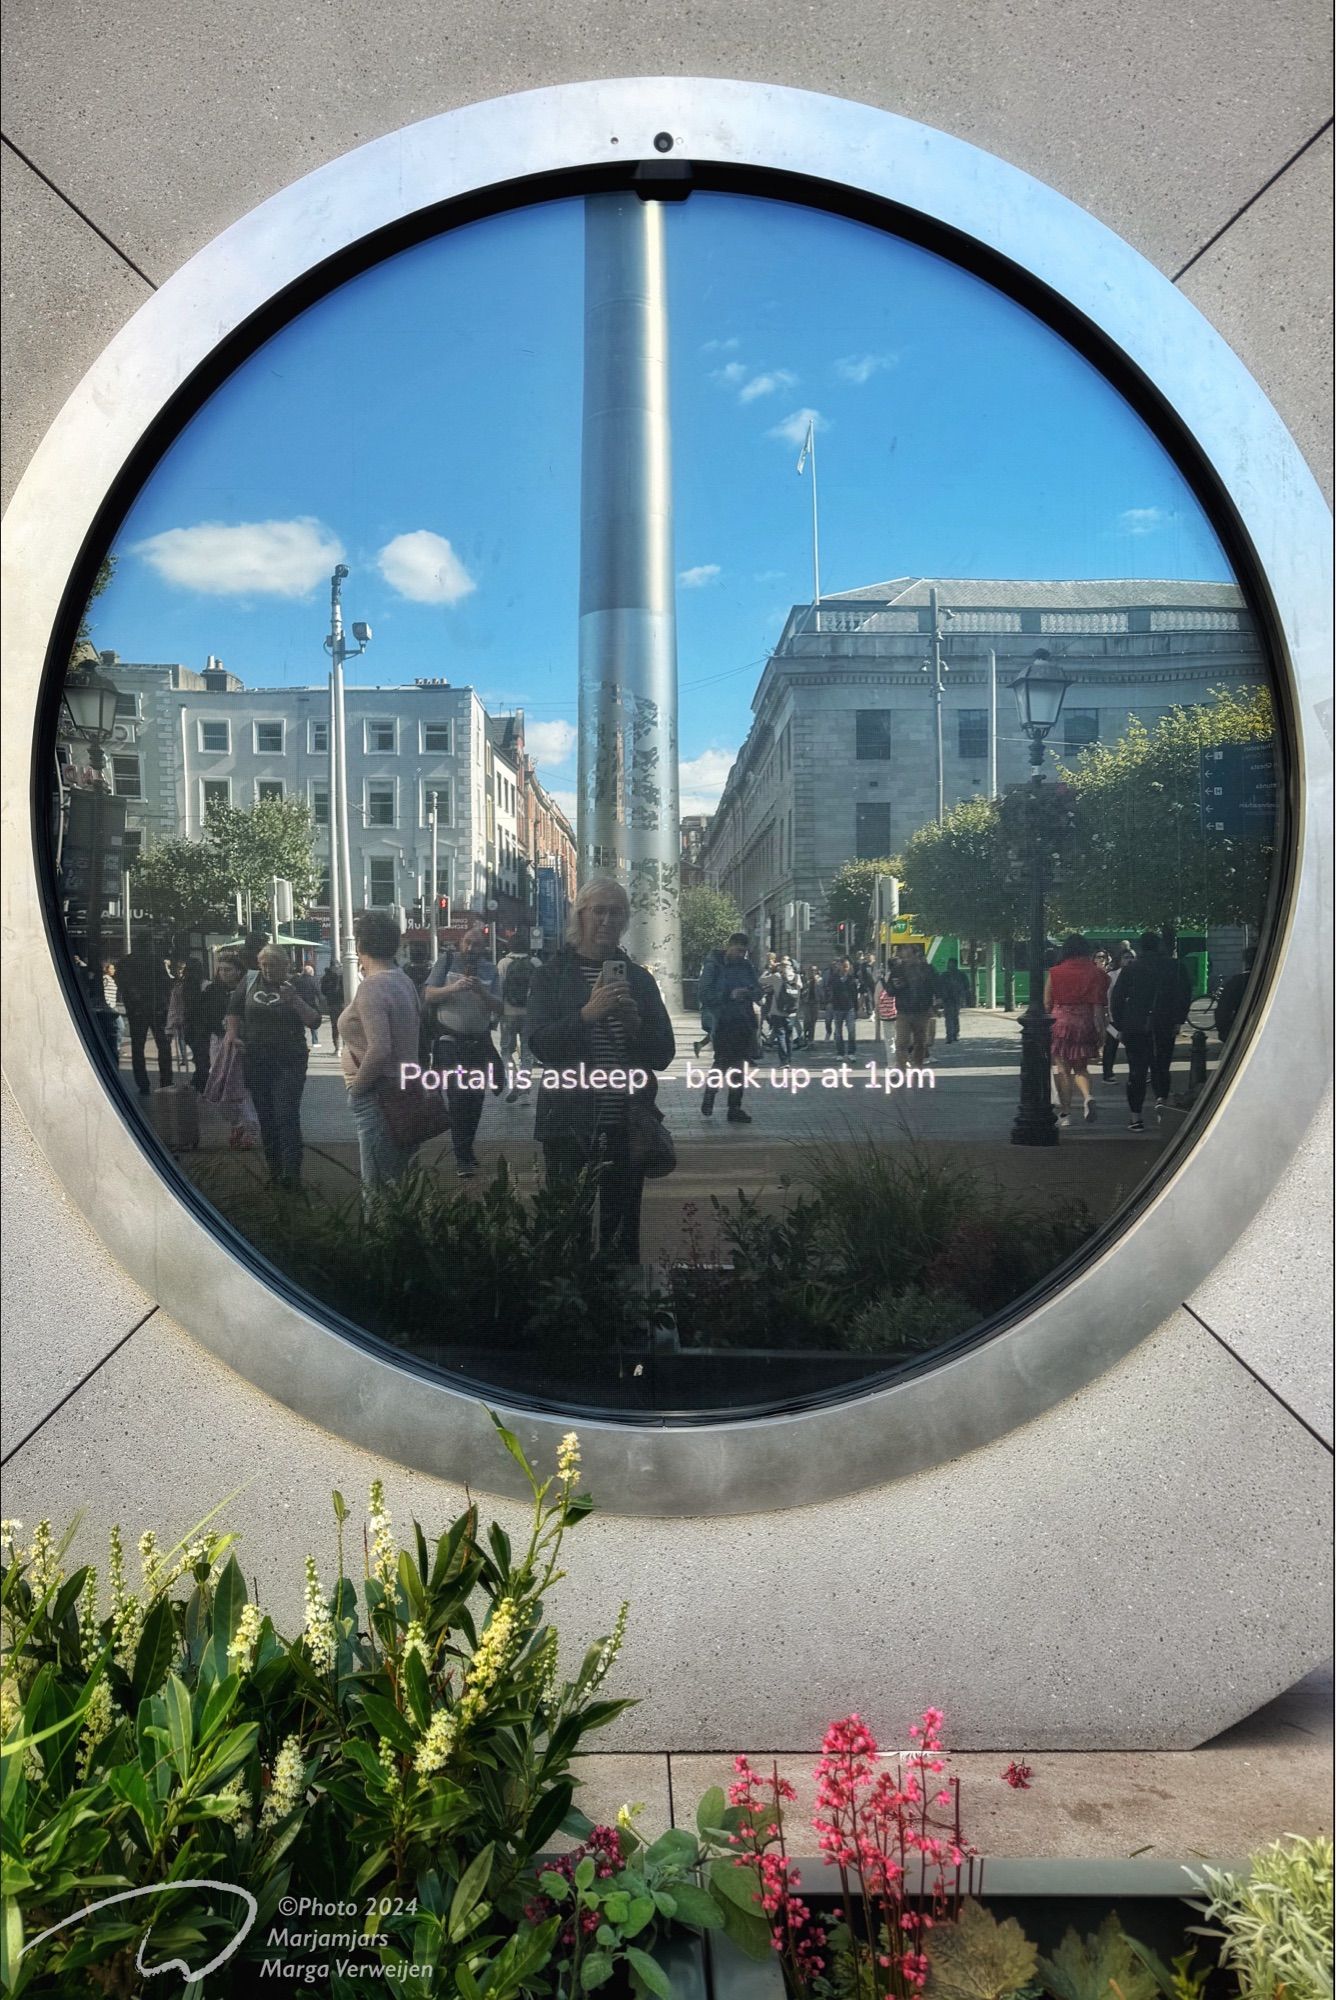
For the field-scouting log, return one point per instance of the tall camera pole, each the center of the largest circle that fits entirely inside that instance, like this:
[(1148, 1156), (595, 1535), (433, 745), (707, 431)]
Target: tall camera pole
[(340, 846)]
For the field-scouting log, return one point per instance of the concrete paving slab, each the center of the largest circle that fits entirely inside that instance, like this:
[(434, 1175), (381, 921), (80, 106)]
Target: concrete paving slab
[(65, 293), (1270, 297), (1261, 1298), (165, 128), (67, 1306)]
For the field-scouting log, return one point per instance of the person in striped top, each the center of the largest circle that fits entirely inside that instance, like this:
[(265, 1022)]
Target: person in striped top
[(595, 1016)]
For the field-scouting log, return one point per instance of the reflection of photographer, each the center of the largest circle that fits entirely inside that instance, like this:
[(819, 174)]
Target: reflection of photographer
[(732, 990), (590, 1004)]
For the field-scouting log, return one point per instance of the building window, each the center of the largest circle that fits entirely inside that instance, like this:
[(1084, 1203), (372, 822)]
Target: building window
[(269, 739), (214, 794), (125, 782), (320, 804), (317, 738), (216, 736), (323, 891), (972, 727), (380, 804), (127, 708), (1080, 726), (872, 735), (872, 831), (438, 738), (381, 879), (380, 736), (267, 789), (439, 789)]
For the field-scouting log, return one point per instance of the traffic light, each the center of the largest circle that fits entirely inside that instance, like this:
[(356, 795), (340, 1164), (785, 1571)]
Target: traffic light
[(443, 908)]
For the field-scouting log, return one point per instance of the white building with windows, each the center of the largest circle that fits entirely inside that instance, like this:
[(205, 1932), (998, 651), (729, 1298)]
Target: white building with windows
[(840, 761), (196, 740)]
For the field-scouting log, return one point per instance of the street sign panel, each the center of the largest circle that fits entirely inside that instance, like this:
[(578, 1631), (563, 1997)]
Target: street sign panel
[(1238, 790)]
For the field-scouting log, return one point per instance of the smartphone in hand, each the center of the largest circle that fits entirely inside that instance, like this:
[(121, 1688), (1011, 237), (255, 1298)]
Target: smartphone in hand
[(613, 973)]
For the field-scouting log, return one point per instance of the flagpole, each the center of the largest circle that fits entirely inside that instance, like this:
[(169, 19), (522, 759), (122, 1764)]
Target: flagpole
[(809, 451)]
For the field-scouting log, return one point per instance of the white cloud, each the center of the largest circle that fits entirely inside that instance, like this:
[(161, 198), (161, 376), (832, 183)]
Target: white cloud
[(766, 385), (794, 427), (768, 576), (1141, 520), (860, 368), (550, 742), (244, 558), (569, 803), (720, 346), (731, 374), (702, 779), (423, 566), (697, 578)]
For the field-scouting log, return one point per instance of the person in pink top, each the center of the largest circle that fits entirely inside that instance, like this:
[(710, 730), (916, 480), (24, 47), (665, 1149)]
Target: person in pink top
[(1076, 994)]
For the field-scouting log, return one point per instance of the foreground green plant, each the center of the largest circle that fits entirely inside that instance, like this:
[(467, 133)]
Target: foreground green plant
[(1275, 1924), (402, 1762)]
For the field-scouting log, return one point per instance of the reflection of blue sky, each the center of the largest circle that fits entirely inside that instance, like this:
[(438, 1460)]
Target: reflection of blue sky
[(425, 420)]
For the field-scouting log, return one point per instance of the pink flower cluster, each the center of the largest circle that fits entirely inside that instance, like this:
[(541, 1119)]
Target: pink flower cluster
[(794, 1933), (604, 1844)]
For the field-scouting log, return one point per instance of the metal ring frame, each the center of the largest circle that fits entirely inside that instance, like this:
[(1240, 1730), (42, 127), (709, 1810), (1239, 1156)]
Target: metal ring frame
[(1000, 215)]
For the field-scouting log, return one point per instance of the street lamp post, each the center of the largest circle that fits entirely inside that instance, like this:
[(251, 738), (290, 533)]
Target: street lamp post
[(435, 878), (340, 846), (89, 701), (1040, 690), (938, 667)]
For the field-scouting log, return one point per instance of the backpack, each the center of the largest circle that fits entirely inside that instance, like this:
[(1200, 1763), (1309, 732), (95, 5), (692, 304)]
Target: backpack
[(515, 986), (786, 1000)]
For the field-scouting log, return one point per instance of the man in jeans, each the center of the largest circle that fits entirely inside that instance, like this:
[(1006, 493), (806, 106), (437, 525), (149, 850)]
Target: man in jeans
[(465, 992), (842, 994), (1148, 1004), (916, 989)]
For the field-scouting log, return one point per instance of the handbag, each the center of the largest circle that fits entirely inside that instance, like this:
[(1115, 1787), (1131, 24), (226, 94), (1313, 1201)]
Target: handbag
[(412, 1115), (649, 1143)]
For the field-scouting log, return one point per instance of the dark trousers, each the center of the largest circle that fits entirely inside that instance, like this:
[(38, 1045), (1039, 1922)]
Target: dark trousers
[(470, 1053), (620, 1191), (276, 1092), (1110, 1051), (141, 1026), (1149, 1052), (951, 1015)]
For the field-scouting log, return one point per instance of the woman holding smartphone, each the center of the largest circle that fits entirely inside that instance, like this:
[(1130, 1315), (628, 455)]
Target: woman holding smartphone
[(591, 1006)]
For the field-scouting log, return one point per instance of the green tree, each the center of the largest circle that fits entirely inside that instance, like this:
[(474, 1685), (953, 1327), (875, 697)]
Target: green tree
[(254, 845), (708, 917), (1140, 857), (84, 652), (849, 897), (957, 877), (183, 885)]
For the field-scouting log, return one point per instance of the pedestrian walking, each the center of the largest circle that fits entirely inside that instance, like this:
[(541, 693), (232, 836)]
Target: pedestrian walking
[(464, 992), (142, 988), (1076, 993), (269, 1017), (186, 1023), (331, 992), (1114, 962), (378, 1035), (595, 1012), (842, 998), (225, 1085), (809, 1007), (956, 993), (515, 972), (916, 989), (1150, 1002), (781, 994), (735, 993)]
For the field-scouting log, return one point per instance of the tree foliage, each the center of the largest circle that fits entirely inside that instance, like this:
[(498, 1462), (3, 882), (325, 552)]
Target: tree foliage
[(182, 883), (957, 875), (1140, 856), (849, 897), (255, 844), (708, 917)]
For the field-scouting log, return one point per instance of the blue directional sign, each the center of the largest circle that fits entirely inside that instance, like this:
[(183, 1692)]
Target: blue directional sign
[(1238, 790)]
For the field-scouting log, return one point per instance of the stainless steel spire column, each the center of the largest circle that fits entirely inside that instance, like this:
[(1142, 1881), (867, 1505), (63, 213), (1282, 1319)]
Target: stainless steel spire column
[(628, 812)]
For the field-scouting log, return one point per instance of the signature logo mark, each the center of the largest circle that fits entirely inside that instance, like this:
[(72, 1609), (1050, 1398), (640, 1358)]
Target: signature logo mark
[(187, 1972)]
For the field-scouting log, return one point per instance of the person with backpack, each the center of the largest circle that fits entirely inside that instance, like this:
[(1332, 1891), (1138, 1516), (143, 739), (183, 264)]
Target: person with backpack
[(733, 992), (1149, 1004), (783, 993), (463, 991), (515, 973)]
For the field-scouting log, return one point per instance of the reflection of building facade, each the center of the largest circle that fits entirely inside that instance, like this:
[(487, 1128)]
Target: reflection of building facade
[(193, 741), (694, 829), (840, 761)]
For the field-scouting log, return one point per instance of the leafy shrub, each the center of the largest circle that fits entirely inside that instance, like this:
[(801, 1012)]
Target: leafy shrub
[(978, 1958), (1275, 1924), (1087, 1968), (409, 1753), (913, 1321)]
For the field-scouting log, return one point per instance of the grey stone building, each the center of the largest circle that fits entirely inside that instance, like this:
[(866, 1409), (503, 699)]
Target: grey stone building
[(840, 761)]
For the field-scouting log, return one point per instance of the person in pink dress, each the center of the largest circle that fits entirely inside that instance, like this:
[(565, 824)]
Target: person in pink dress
[(1076, 994)]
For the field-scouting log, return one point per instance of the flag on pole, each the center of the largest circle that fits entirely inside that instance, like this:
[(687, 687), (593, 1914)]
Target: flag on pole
[(806, 451)]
